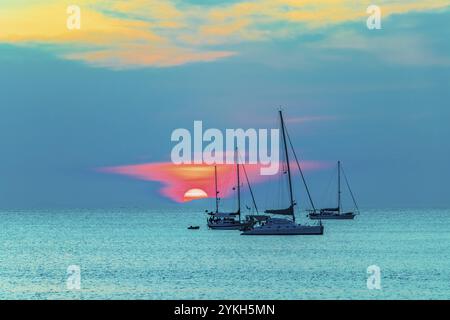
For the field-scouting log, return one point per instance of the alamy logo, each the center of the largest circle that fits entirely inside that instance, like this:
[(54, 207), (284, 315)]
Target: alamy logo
[(73, 277), (74, 18), (253, 147), (374, 279), (374, 20)]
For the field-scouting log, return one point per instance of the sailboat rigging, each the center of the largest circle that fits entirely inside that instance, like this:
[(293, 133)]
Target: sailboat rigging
[(230, 221), (285, 226)]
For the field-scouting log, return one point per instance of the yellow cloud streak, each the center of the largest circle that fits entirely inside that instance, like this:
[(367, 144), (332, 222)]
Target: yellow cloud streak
[(164, 33)]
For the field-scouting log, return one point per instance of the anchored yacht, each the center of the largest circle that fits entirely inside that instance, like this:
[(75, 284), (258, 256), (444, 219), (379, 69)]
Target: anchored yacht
[(230, 221), (285, 226), (336, 213)]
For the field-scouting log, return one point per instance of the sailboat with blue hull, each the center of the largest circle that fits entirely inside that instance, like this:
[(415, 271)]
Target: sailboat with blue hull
[(224, 220), (230, 220), (336, 213)]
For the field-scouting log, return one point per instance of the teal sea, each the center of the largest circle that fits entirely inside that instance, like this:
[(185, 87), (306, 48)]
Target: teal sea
[(150, 254)]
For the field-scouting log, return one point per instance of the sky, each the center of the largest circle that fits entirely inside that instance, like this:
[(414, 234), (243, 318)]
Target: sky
[(109, 95)]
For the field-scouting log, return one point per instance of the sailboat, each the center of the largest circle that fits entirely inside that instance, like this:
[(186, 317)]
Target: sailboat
[(285, 226), (230, 221), (336, 213)]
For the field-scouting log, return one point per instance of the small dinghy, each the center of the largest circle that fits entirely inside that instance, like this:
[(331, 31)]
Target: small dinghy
[(194, 227)]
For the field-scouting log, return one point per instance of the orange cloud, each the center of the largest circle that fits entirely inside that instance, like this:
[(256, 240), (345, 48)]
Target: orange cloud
[(179, 179), (145, 55)]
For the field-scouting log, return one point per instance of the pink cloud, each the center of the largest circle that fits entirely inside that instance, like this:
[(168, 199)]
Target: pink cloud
[(178, 179)]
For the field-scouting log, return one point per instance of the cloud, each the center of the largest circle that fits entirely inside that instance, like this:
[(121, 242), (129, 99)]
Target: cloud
[(136, 33), (399, 47), (134, 56), (178, 179)]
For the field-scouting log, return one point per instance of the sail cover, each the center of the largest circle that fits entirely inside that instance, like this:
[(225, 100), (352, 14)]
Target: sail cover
[(288, 211)]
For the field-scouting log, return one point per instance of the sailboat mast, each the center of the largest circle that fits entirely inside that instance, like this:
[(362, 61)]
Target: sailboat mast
[(301, 173), (217, 192), (339, 186), (287, 163), (238, 184)]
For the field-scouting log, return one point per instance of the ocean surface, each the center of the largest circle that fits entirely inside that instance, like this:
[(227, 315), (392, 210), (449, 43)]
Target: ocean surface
[(149, 254)]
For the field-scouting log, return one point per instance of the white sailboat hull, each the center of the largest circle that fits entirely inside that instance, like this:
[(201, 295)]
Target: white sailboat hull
[(301, 230), (283, 227)]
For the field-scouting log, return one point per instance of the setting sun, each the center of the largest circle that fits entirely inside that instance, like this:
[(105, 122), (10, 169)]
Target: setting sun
[(194, 194)]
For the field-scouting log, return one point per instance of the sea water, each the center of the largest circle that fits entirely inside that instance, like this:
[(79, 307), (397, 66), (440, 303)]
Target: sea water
[(150, 254)]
